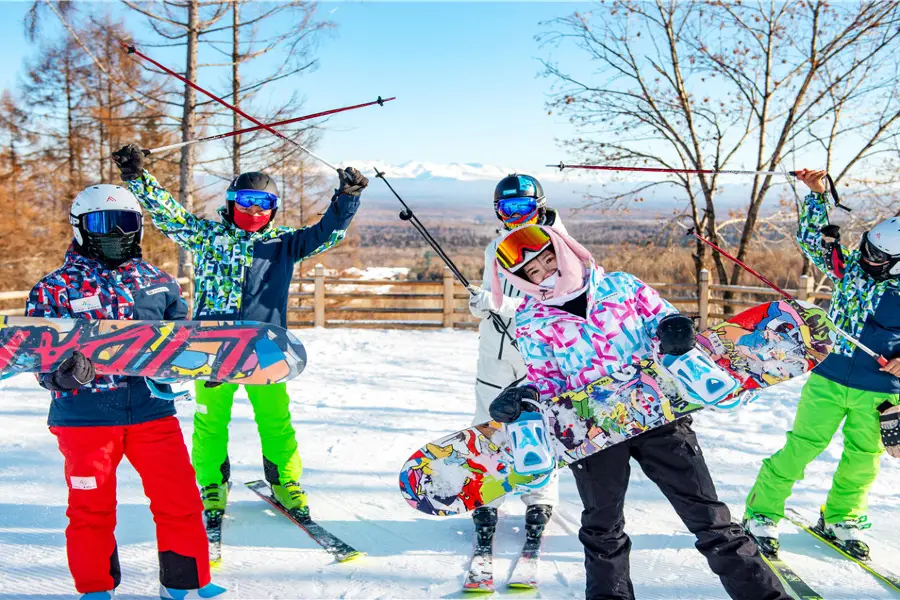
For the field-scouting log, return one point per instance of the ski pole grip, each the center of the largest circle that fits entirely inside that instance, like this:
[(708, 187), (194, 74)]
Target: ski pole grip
[(882, 361), (146, 152)]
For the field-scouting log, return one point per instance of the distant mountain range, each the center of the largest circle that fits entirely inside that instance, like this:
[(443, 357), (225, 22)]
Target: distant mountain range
[(466, 184)]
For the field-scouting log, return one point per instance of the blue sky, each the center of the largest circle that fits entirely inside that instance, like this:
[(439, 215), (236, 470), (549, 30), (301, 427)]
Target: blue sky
[(465, 74)]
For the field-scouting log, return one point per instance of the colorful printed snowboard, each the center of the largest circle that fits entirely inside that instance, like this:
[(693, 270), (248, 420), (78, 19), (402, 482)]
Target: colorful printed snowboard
[(760, 347), (239, 352)]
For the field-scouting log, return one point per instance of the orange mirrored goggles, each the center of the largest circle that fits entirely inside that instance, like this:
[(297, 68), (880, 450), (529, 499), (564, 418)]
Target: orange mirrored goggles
[(522, 245)]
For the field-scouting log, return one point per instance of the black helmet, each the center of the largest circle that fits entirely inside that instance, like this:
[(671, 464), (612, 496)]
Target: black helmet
[(519, 186), (253, 180)]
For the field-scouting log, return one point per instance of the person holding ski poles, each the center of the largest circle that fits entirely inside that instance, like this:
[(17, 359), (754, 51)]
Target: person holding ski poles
[(518, 201), (576, 325), (848, 386), (243, 269), (98, 420)]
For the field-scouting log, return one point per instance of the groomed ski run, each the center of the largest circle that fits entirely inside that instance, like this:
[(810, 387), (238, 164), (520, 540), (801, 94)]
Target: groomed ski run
[(358, 419)]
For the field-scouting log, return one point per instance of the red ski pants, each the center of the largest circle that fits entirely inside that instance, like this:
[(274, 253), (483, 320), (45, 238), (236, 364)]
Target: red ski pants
[(157, 452)]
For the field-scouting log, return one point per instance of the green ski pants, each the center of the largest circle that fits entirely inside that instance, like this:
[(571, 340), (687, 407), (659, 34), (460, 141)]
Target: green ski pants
[(823, 405), (209, 452)]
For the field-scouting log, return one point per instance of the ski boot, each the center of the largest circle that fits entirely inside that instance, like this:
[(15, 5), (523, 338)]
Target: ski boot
[(215, 496), (536, 517), (764, 532), (847, 534), (485, 519), (110, 595), (210, 590), (291, 496)]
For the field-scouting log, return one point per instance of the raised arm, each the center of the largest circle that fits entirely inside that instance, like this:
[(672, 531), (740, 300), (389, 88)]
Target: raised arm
[(813, 219), (332, 227), (171, 218)]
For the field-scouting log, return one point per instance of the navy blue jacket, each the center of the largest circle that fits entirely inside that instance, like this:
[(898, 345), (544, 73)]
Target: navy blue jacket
[(136, 291)]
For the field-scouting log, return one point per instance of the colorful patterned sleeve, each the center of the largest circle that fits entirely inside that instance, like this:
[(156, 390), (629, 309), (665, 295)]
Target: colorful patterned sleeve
[(813, 217), (650, 306), (43, 302), (541, 365), (171, 218)]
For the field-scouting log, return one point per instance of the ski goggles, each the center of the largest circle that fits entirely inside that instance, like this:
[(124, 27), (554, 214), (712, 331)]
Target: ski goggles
[(522, 245), (872, 254), (248, 198), (509, 207), (107, 221)]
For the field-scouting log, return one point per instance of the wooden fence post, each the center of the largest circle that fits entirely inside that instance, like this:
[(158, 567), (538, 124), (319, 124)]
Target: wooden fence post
[(319, 297), (807, 287), (449, 302), (703, 298)]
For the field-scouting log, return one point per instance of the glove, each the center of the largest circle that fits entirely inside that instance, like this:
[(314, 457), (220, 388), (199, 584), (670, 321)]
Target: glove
[(890, 430), (479, 302), (507, 406), (352, 182), (676, 334), (74, 372), (130, 160)]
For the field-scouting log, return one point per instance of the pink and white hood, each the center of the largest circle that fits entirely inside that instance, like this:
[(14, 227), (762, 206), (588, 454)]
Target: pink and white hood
[(565, 352)]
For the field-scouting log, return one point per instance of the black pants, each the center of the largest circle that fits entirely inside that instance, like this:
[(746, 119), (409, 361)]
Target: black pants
[(671, 457)]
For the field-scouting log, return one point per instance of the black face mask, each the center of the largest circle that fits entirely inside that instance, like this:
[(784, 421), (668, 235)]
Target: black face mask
[(868, 255), (112, 249)]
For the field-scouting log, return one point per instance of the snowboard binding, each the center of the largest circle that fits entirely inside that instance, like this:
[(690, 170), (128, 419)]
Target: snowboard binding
[(530, 448)]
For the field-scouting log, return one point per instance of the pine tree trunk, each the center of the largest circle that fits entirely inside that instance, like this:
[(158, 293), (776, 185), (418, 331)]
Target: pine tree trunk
[(186, 183)]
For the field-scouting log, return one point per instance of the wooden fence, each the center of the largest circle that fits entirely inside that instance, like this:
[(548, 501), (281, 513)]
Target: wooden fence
[(321, 301)]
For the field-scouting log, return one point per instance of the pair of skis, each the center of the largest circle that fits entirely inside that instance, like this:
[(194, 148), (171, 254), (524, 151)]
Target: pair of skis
[(800, 588), (340, 550), (480, 576)]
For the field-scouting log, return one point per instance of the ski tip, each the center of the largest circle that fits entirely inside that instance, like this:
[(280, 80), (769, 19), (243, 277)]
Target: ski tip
[(521, 586), (349, 557), (215, 564)]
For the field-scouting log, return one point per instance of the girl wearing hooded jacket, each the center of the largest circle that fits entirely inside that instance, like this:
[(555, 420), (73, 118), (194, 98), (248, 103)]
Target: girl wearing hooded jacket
[(576, 325)]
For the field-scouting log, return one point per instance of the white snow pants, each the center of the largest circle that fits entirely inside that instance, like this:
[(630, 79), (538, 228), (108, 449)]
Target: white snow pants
[(493, 375)]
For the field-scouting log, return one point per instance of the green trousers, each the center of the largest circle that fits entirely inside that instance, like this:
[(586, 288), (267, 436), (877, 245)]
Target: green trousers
[(823, 405), (209, 453)]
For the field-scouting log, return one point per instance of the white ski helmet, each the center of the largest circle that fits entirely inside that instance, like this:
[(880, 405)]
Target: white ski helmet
[(98, 198), (880, 250)]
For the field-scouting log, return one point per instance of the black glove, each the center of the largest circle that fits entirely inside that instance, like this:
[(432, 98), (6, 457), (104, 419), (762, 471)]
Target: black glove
[(507, 407), (676, 334), (74, 372), (890, 430), (352, 182), (130, 160)]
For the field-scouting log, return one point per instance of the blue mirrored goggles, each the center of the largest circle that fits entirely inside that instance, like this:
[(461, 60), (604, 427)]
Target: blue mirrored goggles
[(516, 206), (107, 221), (248, 198)]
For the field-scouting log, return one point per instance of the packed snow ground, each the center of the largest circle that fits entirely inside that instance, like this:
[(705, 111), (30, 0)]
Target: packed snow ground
[(367, 399)]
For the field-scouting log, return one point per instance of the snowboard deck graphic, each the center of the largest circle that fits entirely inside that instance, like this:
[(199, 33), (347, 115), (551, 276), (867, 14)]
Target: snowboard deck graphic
[(243, 352), (760, 347)]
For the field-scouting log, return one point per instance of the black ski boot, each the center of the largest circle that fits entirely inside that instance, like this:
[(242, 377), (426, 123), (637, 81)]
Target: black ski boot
[(485, 519), (536, 517)]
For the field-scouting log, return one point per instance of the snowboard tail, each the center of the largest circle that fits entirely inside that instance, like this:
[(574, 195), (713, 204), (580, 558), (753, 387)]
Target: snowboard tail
[(243, 352)]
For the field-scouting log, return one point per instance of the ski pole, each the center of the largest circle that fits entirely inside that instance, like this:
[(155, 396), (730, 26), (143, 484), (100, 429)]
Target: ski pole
[(690, 231), (132, 50), (408, 215), (380, 102), (834, 194)]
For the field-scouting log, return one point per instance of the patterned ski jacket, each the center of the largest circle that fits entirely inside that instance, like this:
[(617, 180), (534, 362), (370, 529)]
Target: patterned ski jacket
[(239, 275), (84, 289), (565, 352), (868, 310)]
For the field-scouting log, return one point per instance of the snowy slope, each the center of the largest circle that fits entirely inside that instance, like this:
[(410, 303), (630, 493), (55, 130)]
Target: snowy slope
[(367, 399)]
